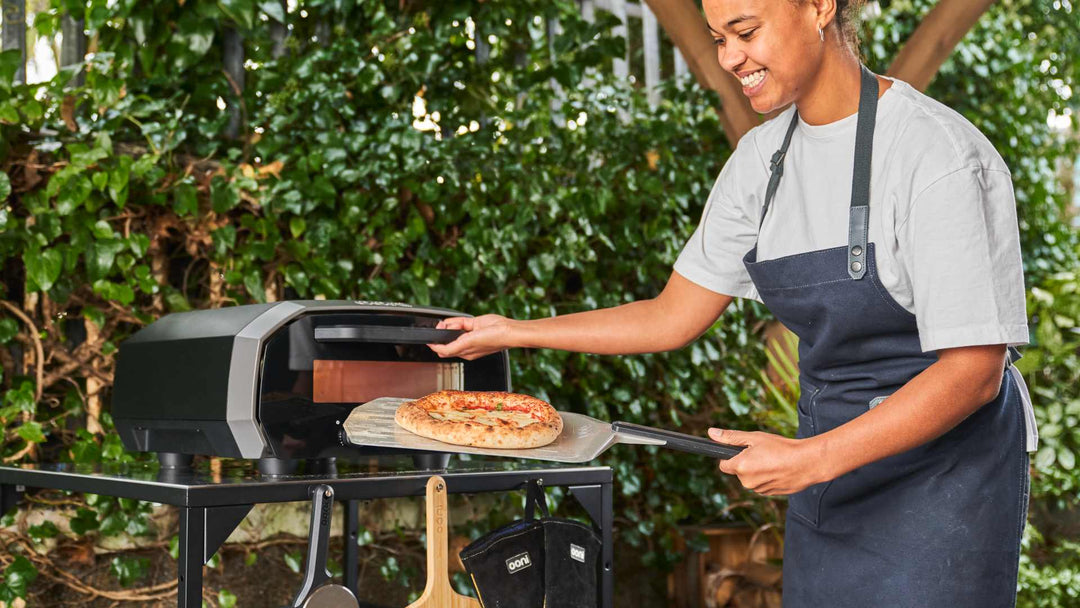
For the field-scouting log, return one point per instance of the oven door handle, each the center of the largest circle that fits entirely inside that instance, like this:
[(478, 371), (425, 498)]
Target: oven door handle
[(385, 334)]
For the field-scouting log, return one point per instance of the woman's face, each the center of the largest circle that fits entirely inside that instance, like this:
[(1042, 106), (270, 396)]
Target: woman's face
[(771, 46)]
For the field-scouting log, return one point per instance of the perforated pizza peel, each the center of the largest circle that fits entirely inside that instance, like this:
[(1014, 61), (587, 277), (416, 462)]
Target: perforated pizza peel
[(582, 439)]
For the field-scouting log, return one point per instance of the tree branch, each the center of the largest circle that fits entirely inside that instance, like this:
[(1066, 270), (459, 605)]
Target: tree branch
[(934, 40), (688, 31)]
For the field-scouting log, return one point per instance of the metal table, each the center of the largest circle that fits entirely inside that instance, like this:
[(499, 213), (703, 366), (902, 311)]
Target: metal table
[(213, 505)]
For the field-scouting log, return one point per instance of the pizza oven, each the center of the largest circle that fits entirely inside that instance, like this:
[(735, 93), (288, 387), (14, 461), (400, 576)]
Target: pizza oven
[(277, 380)]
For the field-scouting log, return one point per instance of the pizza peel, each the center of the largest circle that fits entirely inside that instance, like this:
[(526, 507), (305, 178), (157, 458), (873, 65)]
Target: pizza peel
[(583, 438)]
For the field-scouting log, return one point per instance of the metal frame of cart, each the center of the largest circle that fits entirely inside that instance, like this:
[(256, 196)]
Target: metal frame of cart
[(210, 510)]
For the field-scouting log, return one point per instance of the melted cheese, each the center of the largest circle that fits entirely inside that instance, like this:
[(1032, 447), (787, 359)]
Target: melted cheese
[(489, 418)]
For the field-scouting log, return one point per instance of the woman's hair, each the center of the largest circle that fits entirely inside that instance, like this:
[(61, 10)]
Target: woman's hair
[(847, 20)]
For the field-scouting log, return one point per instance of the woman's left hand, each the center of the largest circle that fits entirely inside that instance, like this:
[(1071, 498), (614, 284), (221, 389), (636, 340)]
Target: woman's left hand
[(773, 465)]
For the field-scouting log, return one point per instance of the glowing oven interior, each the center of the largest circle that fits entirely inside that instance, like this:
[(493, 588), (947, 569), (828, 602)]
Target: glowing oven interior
[(362, 381)]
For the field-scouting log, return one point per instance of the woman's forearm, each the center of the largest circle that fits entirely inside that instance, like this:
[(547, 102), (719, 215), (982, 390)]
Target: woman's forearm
[(632, 328), (922, 410), (681, 313)]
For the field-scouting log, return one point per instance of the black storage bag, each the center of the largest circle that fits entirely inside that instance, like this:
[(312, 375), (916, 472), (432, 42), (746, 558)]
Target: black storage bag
[(560, 570), (571, 560), (507, 564)]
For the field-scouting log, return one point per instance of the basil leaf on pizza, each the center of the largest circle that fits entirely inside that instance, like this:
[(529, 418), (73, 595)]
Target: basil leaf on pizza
[(485, 419)]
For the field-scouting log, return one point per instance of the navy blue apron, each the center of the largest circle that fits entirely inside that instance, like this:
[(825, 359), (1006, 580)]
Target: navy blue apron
[(939, 525)]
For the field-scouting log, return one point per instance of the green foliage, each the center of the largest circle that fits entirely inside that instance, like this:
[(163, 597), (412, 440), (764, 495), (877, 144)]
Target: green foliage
[(129, 569), (17, 577), (294, 560), (226, 599), (780, 411), (385, 162), (1053, 371), (1053, 579)]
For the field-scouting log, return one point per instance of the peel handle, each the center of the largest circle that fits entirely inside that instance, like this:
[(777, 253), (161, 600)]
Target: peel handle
[(679, 441)]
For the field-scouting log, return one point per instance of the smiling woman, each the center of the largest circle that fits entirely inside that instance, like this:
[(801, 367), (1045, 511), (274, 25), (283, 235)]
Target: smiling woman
[(779, 40), (892, 253)]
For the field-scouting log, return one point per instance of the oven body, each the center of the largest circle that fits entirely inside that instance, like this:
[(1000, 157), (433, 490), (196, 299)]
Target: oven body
[(277, 380)]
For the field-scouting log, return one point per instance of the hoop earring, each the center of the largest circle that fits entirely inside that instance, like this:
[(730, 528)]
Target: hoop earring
[(821, 34)]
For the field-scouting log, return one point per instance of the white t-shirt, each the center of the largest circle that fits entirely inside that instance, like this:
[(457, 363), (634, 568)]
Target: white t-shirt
[(942, 216)]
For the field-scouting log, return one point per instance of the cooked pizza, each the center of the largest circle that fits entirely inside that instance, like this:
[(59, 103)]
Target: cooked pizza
[(485, 419)]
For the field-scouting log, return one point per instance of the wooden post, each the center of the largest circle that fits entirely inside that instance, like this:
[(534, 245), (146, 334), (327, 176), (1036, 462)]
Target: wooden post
[(620, 67), (14, 33), (279, 33), (680, 63), (73, 49), (233, 58), (552, 30), (588, 13), (651, 45)]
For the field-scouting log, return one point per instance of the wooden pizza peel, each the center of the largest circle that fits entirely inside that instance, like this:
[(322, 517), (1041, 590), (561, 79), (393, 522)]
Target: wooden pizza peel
[(438, 593), (582, 439)]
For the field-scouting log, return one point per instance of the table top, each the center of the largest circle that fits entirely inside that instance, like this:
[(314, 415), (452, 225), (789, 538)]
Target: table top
[(237, 482)]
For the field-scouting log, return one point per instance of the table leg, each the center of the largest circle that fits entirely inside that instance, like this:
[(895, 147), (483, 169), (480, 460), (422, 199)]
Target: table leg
[(607, 575), (352, 530), (596, 499), (190, 562)]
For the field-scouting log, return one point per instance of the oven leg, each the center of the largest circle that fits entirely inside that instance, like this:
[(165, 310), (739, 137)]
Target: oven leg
[(190, 563), (352, 530)]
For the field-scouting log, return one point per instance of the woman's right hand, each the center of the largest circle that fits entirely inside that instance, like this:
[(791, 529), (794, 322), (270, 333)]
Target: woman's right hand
[(483, 335)]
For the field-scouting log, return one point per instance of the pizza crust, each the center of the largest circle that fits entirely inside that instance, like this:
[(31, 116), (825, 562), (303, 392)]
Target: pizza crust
[(487, 419)]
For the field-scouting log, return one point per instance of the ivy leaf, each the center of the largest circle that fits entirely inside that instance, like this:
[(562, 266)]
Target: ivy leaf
[(9, 64), (8, 114), (45, 529), (31, 432), (17, 578), (198, 37), (94, 315), (8, 329), (177, 302), (43, 267), (222, 196), (297, 226), (297, 278), (1066, 458), (114, 291), (84, 521), (224, 239), (129, 569), (118, 181), (254, 284), (72, 194), (240, 11), (294, 561), (185, 200), (100, 258), (86, 451), (139, 243), (1044, 459), (274, 10), (5, 186)]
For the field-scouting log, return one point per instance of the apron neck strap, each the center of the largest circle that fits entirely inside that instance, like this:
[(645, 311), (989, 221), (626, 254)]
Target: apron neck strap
[(776, 168), (859, 215)]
